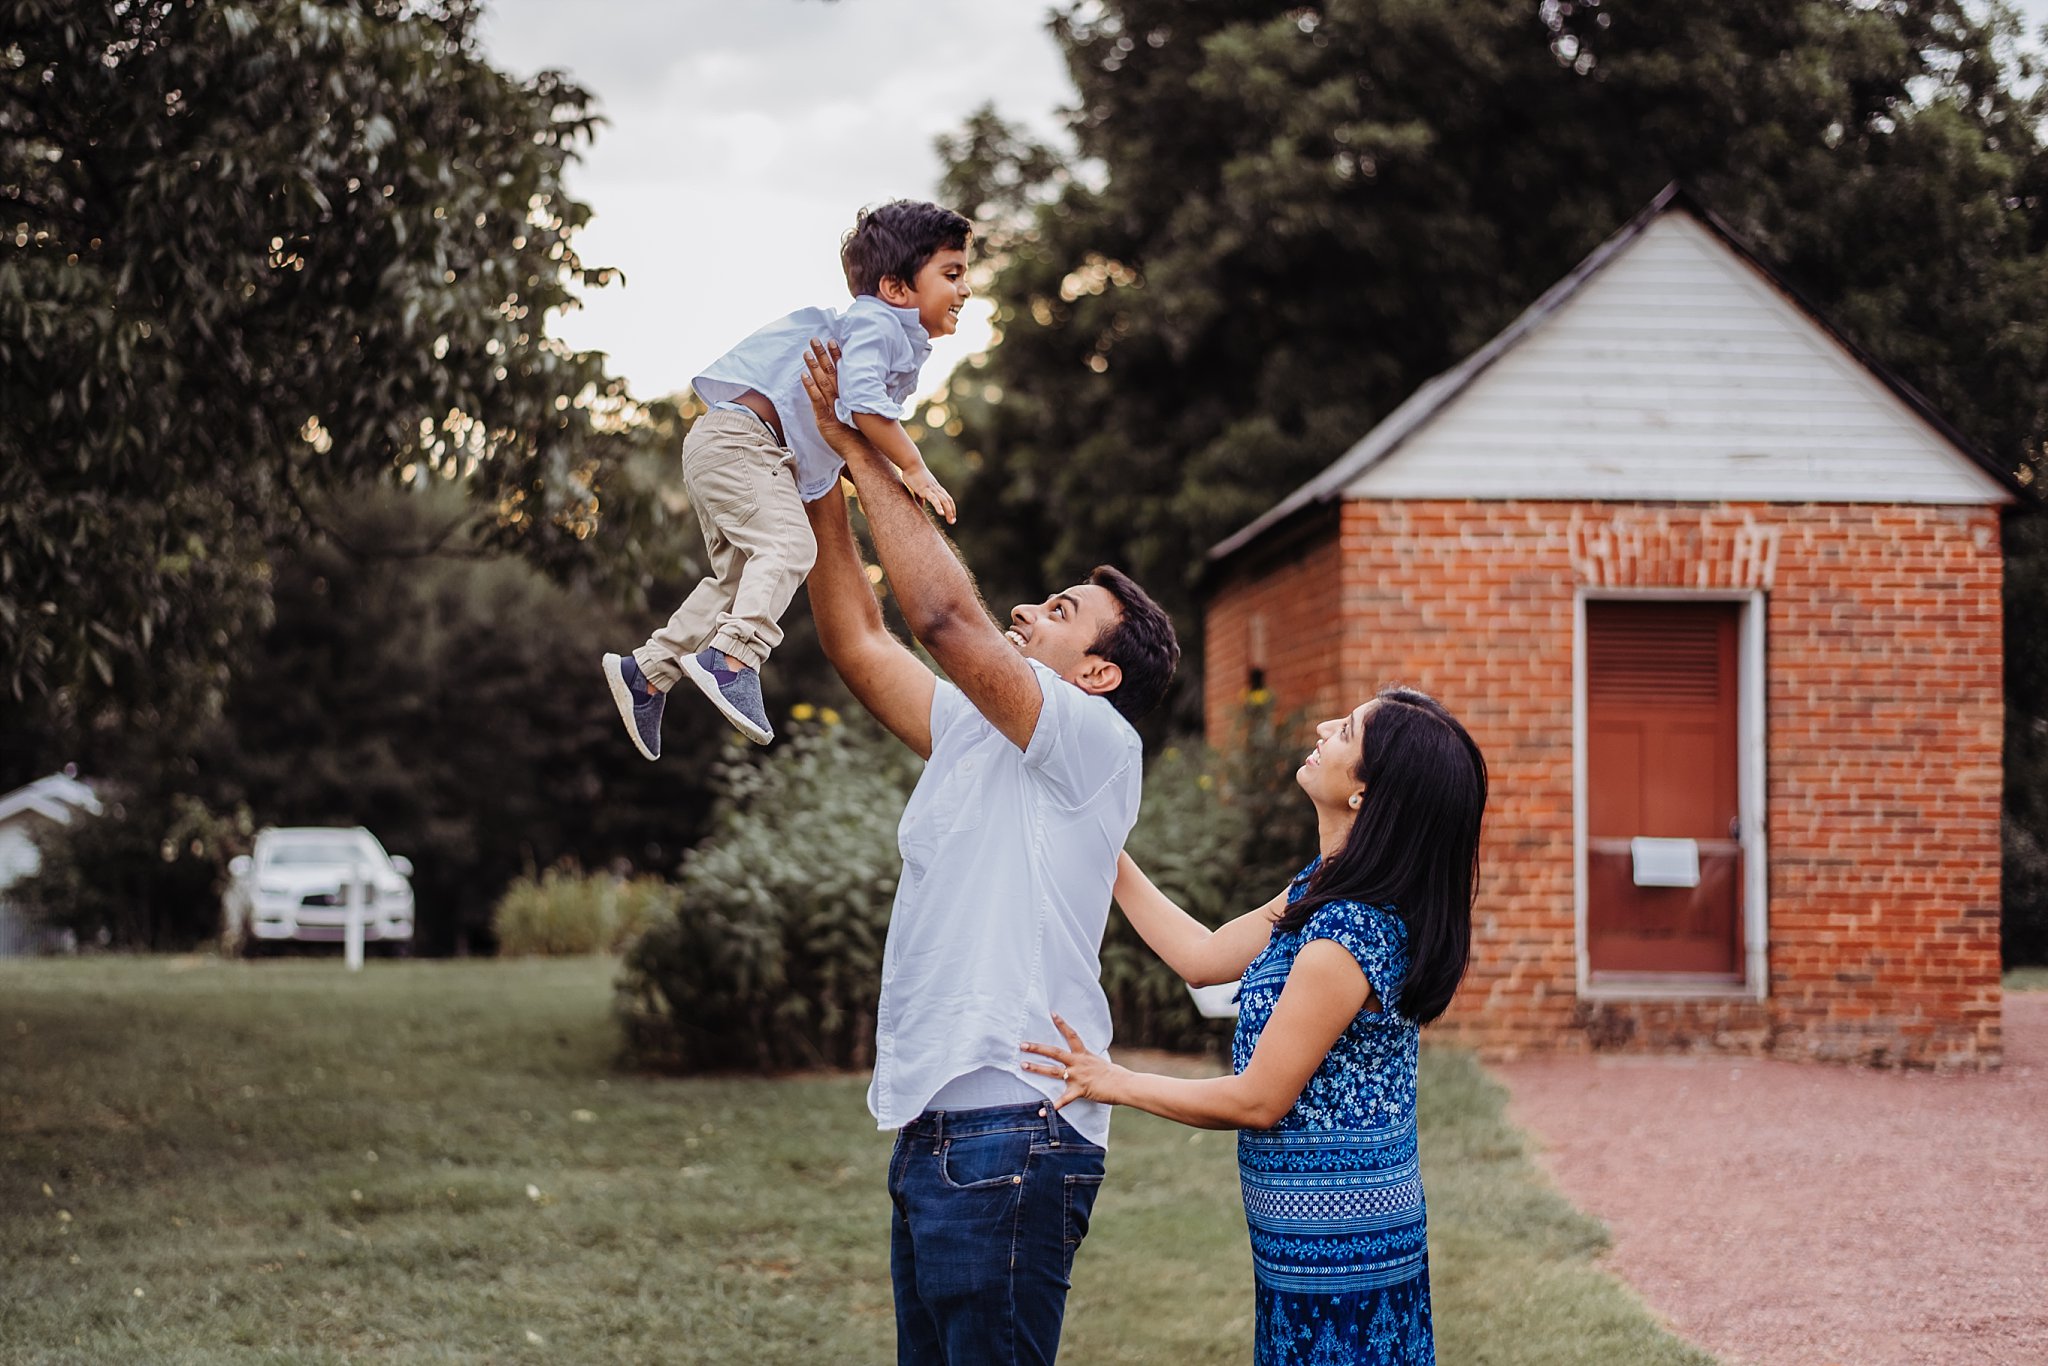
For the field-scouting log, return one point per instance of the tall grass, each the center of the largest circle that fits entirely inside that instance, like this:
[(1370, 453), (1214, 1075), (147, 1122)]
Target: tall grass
[(566, 911)]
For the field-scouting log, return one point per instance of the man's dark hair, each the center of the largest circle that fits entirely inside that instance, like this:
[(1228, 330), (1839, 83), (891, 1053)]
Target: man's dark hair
[(1141, 643), (897, 239)]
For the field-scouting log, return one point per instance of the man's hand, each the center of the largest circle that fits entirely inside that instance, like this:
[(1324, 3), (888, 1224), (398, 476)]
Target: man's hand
[(931, 585), (821, 386)]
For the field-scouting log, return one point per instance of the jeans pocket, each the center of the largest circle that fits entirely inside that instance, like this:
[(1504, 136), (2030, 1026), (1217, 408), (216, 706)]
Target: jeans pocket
[(1080, 1200), (980, 1161)]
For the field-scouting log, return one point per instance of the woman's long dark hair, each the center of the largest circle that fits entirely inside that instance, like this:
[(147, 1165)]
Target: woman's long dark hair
[(1414, 845)]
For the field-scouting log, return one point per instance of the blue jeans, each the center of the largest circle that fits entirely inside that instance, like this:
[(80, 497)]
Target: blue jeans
[(990, 1205)]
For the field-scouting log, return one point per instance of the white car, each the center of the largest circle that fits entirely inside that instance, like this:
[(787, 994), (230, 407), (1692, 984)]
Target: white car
[(295, 887)]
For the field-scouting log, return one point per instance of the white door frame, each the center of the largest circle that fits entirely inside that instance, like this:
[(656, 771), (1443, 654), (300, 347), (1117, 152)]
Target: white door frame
[(1751, 811)]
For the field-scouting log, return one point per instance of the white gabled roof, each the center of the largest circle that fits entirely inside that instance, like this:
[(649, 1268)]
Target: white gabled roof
[(1671, 364), (54, 798)]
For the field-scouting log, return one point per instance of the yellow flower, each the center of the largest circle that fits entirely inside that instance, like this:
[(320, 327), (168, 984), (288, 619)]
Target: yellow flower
[(802, 711), (1205, 782), (1259, 697), (829, 716)]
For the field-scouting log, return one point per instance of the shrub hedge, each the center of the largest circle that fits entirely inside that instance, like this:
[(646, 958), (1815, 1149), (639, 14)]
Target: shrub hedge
[(565, 911), (773, 957), (1220, 832), (147, 874)]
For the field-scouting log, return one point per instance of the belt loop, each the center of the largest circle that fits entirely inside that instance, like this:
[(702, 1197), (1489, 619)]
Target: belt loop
[(1052, 1122), (938, 1130)]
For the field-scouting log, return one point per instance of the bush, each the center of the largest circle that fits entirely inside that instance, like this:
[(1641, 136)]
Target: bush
[(565, 911), (147, 874), (1220, 833), (419, 696), (774, 957)]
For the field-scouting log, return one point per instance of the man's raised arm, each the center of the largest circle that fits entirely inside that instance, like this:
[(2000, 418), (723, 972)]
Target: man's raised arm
[(930, 583), (882, 675)]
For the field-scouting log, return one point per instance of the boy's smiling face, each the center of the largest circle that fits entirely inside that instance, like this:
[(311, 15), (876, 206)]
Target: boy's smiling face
[(937, 293)]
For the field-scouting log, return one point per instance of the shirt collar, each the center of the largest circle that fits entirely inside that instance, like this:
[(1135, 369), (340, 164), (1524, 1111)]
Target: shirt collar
[(913, 328)]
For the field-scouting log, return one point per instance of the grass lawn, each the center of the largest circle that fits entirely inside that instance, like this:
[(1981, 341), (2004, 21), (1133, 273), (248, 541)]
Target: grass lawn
[(212, 1162), (2027, 979)]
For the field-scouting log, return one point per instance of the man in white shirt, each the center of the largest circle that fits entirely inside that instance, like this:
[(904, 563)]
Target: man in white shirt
[(1009, 845)]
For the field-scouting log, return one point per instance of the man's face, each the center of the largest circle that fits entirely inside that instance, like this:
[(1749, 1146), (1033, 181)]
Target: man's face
[(1059, 631)]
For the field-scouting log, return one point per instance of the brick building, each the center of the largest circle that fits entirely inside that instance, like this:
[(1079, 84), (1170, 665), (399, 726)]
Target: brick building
[(1720, 600)]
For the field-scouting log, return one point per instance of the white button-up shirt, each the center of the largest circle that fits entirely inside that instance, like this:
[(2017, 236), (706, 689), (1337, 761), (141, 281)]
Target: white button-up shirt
[(1008, 861), (882, 348)]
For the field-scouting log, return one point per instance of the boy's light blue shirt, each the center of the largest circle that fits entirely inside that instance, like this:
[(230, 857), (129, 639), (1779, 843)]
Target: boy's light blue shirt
[(882, 348)]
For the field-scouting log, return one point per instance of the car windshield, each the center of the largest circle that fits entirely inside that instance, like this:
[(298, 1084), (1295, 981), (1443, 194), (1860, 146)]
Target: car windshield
[(301, 853)]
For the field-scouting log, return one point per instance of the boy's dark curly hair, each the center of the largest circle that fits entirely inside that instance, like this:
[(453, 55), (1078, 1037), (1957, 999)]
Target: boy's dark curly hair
[(896, 239)]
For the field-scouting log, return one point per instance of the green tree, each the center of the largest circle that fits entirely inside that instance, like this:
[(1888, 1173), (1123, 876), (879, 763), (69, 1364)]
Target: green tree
[(259, 252), (1282, 218), (453, 705), (451, 702)]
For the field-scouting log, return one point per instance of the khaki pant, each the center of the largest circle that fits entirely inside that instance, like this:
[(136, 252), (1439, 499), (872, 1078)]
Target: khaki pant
[(743, 486)]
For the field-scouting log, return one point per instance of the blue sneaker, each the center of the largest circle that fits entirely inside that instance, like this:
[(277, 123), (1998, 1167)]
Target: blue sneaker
[(735, 692), (639, 702)]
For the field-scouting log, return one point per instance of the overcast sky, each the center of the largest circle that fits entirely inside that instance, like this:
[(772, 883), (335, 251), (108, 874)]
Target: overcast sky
[(743, 136)]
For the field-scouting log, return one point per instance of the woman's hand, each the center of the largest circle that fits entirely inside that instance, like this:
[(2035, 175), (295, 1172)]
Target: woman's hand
[(1088, 1076)]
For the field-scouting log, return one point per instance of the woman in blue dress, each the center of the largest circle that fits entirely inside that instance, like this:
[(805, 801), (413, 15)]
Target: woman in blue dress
[(1338, 975)]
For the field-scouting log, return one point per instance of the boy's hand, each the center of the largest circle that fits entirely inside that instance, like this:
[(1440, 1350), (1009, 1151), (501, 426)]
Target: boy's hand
[(921, 482)]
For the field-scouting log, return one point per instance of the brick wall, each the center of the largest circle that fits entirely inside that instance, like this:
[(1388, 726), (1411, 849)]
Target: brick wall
[(1278, 620), (1883, 720)]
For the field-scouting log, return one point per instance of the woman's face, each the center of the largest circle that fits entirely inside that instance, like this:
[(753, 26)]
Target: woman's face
[(1330, 773)]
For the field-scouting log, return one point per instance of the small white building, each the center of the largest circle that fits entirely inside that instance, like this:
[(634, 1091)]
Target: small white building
[(24, 814)]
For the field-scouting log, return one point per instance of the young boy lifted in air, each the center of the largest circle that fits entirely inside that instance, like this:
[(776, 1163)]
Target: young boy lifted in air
[(754, 460)]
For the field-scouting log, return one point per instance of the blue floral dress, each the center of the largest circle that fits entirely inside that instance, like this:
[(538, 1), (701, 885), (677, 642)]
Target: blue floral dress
[(1332, 1193)]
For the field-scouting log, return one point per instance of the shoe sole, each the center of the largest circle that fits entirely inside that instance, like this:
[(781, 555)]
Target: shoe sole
[(623, 697), (708, 685)]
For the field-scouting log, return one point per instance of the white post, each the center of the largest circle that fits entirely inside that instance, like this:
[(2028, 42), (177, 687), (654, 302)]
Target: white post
[(352, 899)]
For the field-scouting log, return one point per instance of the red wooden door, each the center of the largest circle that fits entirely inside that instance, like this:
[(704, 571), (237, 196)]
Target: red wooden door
[(1661, 761)]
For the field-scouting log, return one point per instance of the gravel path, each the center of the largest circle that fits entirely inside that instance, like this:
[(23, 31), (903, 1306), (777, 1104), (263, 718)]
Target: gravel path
[(1787, 1214)]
